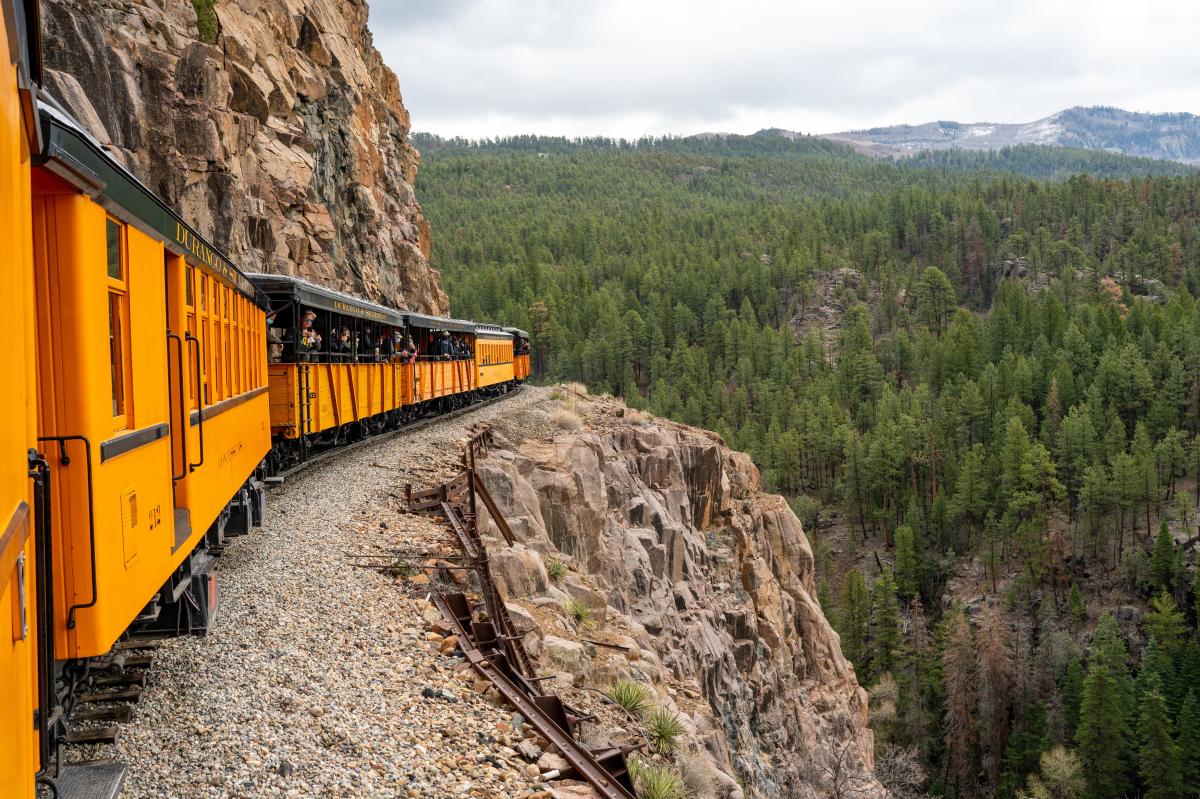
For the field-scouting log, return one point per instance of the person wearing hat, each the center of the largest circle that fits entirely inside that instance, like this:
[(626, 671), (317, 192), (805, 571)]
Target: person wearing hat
[(310, 339), (408, 350), (445, 347)]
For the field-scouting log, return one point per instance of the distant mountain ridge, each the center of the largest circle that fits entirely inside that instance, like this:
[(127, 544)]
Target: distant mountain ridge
[(1172, 137)]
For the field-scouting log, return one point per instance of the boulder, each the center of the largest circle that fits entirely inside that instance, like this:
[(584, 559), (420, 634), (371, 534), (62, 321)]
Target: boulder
[(565, 655)]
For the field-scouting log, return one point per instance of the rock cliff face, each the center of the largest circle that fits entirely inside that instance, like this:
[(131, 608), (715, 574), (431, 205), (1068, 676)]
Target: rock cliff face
[(278, 132), (705, 580)]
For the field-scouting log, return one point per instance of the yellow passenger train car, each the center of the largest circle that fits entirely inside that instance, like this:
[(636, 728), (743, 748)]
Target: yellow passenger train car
[(493, 356), (328, 387), (151, 441), (152, 390), (144, 455), (23, 561), (342, 368), (521, 370)]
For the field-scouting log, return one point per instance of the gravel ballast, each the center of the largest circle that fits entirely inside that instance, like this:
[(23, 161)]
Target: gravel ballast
[(320, 679)]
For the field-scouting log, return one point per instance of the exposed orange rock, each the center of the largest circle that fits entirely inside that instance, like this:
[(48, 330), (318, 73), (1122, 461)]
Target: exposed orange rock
[(285, 141)]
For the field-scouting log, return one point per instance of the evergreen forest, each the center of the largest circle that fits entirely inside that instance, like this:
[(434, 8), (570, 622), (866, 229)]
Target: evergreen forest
[(976, 377)]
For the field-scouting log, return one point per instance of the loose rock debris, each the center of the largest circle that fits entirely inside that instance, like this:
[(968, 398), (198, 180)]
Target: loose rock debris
[(320, 679)]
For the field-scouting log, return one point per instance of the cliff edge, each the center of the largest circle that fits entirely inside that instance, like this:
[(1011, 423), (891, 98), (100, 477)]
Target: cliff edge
[(681, 574), (272, 125)]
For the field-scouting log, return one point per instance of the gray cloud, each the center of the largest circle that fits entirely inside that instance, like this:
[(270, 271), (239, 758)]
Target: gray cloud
[(628, 67)]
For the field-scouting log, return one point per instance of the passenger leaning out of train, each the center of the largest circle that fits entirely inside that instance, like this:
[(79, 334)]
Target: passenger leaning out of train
[(274, 339), (408, 350), (443, 348), (400, 349), (310, 339), (342, 348), (370, 346)]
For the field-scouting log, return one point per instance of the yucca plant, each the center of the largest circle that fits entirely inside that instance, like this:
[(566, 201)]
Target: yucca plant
[(663, 727), (632, 697), (655, 782), (580, 612)]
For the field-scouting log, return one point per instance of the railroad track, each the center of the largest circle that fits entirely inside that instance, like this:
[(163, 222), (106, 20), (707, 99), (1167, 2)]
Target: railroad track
[(411, 427)]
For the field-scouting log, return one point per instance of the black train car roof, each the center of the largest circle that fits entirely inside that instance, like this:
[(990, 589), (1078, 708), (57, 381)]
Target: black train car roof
[(516, 331), (438, 323), (70, 152), (483, 330), (315, 296)]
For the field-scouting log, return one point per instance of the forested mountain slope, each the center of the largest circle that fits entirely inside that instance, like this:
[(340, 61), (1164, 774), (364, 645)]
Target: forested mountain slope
[(981, 390)]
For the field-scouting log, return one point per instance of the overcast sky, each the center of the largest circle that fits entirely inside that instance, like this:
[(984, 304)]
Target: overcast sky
[(631, 67)]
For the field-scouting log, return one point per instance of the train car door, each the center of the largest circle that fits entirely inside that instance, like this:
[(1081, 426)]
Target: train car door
[(181, 380)]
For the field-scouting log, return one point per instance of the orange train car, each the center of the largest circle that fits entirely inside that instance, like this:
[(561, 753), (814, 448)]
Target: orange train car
[(445, 375), (342, 368), (143, 456), (24, 561), (521, 369), (153, 391), (331, 372)]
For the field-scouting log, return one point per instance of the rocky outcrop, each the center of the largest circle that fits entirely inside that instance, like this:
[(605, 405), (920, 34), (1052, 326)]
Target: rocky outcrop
[(706, 586), (279, 132)]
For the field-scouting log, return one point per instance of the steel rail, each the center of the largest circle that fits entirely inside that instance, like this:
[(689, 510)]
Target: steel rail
[(581, 760)]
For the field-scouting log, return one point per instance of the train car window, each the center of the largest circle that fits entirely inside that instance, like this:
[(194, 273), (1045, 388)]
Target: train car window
[(189, 306), (113, 236), (204, 326), (118, 325), (239, 360), (227, 330), (215, 344)]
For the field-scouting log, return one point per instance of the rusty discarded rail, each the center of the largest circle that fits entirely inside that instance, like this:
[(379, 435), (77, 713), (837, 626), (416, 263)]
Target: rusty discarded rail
[(582, 762), (491, 643)]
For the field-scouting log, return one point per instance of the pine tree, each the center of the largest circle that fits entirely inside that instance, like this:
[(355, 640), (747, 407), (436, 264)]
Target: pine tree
[(1162, 561), (1158, 756), (996, 682), (1165, 622), (1156, 667), (1103, 734), (1188, 742), (935, 298), (855, 620), (1075, 604), (1108, 647), (886, 632), (906, 562), (1072, 696)]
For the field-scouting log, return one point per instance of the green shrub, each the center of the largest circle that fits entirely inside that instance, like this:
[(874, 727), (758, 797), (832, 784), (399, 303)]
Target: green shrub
[(632, 697), (206, 20), (556, 570), (655, 782), (581, 613), (664, 729)]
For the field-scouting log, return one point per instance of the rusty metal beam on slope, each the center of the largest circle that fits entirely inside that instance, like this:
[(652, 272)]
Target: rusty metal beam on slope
[(581, 760), (473, 547), (465, 540), (489, 503)]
